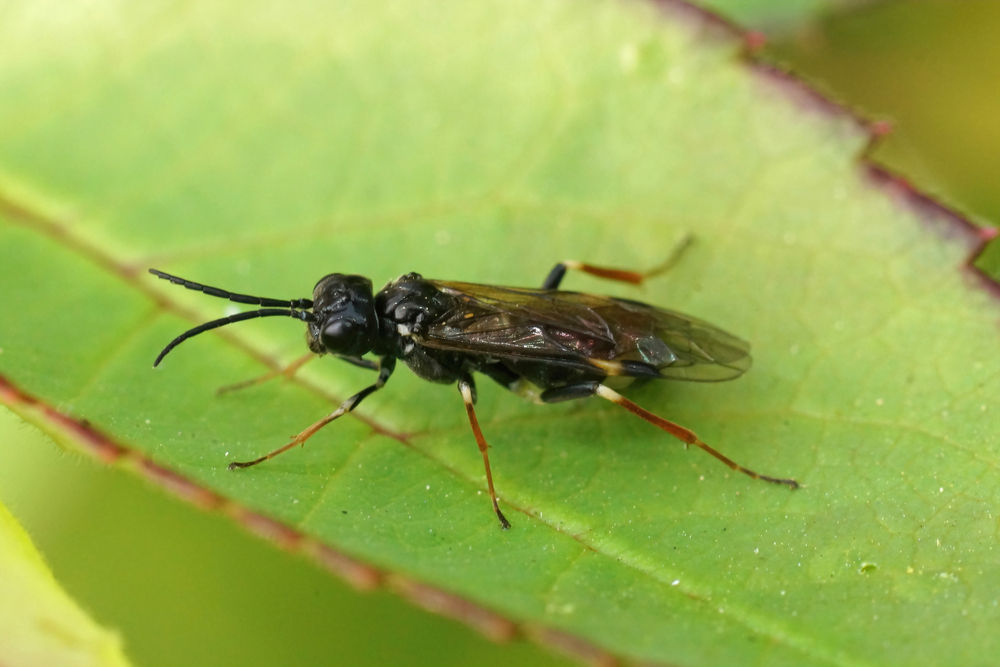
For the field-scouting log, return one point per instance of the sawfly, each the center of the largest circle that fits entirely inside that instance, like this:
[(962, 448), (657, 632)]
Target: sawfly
[(549, 344)]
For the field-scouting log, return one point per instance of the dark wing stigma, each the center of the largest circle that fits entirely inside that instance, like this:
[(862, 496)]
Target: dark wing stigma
[(574, 327), (686, 348)]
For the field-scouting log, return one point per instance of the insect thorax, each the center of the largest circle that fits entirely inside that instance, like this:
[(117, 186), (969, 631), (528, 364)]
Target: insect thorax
[(406, 306)]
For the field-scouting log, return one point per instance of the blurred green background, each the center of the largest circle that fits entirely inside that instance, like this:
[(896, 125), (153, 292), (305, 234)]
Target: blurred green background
[(933, 70), (930, 67)]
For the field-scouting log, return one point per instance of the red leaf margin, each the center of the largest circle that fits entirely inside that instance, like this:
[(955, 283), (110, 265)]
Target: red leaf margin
[(82, 435)]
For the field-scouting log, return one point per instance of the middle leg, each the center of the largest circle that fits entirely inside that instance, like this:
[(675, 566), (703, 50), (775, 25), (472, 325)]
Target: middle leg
[(467, 389)]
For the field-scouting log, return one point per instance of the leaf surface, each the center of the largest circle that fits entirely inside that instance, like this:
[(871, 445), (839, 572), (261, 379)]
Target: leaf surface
[(40, 623), (259, 146)]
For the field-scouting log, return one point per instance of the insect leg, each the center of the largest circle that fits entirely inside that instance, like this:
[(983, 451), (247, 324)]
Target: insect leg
[(570, 393), (681, 433), (360, 362), (291, 369), (585, 389), (387, 364), (467, 388), (634, 277), (288, 371)]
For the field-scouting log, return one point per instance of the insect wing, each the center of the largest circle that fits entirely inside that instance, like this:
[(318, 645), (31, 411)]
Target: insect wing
[(572, 327), (703, 352)]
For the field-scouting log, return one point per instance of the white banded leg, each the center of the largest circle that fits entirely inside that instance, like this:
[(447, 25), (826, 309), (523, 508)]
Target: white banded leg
[(467, 389), (634, 277), (684, 435)]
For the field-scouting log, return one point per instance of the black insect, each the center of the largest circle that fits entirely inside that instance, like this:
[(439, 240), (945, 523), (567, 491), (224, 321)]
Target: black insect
[(544, 343)]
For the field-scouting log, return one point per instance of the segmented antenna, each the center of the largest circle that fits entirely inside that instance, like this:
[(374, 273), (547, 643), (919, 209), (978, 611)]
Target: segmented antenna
[(286, 308), (238, 298)]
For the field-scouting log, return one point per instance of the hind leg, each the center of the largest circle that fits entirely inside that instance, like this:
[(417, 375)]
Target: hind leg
[(558, 272), (585, 389)]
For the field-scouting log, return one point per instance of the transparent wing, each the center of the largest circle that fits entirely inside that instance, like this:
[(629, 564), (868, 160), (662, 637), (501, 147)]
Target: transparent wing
[(516, 323)]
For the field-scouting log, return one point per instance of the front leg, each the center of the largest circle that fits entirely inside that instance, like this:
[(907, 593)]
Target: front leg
[(289, 371), (386, 366)]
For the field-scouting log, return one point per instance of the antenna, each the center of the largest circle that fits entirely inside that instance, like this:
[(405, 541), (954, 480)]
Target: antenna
[(238, 298), (286, 308)]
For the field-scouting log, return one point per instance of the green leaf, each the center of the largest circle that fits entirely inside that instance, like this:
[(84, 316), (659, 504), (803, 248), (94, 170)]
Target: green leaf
[(40, 623), (258, 146), (774, 15), (944, 142)]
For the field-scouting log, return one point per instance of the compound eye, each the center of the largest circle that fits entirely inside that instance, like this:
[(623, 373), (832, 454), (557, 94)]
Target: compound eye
[(340, 336)]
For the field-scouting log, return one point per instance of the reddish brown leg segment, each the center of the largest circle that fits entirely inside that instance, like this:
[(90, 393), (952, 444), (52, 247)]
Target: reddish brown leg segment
[(387, 364), (633, 277), (466, 390), (288, 372), (684, 435)]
